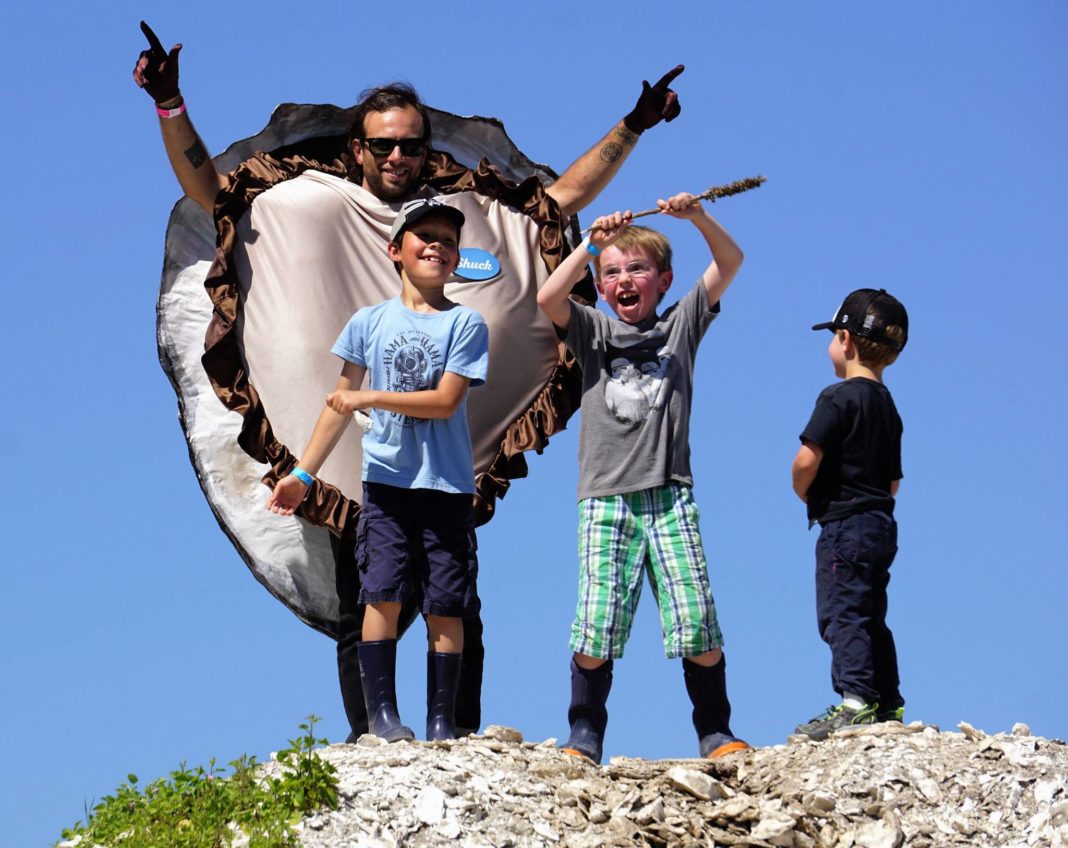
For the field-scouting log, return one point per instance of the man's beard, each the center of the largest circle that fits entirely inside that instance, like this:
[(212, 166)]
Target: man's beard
[(383, 190)]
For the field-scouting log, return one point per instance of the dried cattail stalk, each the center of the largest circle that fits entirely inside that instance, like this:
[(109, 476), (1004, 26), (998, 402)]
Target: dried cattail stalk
[(713, 194)]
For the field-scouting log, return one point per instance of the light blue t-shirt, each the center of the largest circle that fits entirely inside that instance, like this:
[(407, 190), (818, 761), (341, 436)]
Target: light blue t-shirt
[(406, 351)]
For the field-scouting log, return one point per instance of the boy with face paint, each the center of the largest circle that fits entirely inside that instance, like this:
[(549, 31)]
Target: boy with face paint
[(637, 513)]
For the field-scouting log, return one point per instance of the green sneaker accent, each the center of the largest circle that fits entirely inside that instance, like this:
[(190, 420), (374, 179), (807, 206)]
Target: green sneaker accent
[(896, 714), (835, 718)]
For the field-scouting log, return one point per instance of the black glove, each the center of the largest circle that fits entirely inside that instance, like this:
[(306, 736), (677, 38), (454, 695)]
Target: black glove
[(157, 71), (656, 103)]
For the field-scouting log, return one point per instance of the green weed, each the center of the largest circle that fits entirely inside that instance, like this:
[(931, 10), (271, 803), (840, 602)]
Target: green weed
[(198, 808)]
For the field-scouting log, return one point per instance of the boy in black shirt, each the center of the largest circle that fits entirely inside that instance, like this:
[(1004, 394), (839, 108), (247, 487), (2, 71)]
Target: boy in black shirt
[(847, 471)]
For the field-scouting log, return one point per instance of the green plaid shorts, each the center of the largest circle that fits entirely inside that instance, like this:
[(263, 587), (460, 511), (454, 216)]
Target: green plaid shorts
[(624, 537)]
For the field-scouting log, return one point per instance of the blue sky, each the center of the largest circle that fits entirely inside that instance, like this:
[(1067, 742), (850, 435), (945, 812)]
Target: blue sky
[(915, 146)]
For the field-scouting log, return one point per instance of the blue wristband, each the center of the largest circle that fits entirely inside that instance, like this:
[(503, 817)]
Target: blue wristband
[(302, 475), (591, 249)]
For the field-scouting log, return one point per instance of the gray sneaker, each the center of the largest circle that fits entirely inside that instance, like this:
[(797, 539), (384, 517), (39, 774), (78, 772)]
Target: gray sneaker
[(835, 718)]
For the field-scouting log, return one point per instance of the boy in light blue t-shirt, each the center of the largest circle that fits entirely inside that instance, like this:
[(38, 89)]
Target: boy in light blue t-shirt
[(416, 527)]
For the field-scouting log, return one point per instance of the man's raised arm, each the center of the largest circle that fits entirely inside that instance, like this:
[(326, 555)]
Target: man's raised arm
[(156, 72), (592, 171)]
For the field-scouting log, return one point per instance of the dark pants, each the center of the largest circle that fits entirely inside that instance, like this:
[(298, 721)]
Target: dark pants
[(853, 559), (350, 622)]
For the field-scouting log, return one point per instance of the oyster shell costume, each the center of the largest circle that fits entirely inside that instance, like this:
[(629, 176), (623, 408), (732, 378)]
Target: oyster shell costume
[(249, 308)]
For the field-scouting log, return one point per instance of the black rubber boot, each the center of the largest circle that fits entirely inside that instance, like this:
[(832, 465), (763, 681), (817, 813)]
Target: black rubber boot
[(588, 713), (350, 623), (378, 670), (469, 691), (707, 688), (442, 679)]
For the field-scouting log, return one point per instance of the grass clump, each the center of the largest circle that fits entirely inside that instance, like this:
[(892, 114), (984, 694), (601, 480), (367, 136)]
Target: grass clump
[(207, 808)]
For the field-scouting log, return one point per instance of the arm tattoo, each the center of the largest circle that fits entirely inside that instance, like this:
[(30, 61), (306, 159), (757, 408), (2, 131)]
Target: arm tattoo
[(196, 154), (611, 152), (626, 136)]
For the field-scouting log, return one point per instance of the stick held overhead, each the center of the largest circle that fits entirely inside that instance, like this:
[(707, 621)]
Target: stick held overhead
[(713, 194)]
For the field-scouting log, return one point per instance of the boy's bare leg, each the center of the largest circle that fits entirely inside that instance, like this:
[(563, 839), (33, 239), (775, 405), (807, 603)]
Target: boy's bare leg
[(445, 633), (587, 662), (708, 659), (380, 621)]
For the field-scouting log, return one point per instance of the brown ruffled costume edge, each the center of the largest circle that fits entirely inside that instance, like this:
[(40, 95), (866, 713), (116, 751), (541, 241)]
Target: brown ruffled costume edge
[(224, 363)]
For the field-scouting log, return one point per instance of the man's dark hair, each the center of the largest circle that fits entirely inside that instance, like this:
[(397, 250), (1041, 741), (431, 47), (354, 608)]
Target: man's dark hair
[(395, 95)]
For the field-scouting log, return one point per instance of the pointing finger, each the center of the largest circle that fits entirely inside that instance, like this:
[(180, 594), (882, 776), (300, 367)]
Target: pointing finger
[(153, 42), (667, 78)]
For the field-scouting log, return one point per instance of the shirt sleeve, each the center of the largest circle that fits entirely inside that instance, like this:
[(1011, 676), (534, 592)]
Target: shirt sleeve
[(694, 311), (350, 344), (580, 328), (824, 427), (469, 351)]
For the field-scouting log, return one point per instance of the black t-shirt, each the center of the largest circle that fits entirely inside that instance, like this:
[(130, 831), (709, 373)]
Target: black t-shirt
[(856, 425)]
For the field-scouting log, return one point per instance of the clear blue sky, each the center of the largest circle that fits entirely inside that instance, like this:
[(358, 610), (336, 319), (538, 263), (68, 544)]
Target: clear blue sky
[(913, 146)]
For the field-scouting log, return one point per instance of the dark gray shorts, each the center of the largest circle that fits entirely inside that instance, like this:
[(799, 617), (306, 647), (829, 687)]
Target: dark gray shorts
[(410, 540)]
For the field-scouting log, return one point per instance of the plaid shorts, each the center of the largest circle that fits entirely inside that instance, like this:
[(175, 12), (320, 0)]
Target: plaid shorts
[(623, 537)]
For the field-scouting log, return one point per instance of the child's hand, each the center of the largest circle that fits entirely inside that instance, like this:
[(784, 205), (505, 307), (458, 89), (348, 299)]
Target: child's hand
[(346, 401), (608, 228), (682, 205), (287, 495)]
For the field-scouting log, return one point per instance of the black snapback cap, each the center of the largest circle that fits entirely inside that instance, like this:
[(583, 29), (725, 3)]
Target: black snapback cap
[(867, 313)]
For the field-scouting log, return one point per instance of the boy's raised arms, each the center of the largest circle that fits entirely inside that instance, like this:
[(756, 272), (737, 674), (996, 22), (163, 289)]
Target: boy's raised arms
[(727, 257), (553, 295)]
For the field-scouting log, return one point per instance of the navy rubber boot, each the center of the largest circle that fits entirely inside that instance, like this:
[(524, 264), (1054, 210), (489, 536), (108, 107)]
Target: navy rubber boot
[(378, 670), (707, 688), (442, 681), (588, 713)]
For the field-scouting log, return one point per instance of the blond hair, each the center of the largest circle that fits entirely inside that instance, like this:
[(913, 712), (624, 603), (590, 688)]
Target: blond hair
[(877, 354), (652, 242)]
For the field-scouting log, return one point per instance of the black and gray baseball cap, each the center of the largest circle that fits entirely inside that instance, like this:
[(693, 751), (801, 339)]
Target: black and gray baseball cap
[(867, 313), (415, 210)]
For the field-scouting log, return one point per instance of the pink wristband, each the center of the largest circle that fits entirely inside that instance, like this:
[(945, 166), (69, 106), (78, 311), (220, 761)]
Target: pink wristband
[(171, 113)]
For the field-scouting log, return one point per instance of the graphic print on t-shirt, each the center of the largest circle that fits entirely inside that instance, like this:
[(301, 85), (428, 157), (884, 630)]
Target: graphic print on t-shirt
[(636, 383), (412, 363)]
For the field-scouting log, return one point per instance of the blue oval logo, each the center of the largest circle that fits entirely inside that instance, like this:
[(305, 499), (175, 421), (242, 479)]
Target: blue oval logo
[(476, 264)]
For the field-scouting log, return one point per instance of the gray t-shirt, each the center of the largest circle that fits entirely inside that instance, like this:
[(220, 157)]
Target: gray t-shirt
[(637, 383)]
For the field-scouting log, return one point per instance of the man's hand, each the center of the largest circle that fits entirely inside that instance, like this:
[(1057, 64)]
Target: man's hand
[(657, 103), (287, 496), (156, 71)]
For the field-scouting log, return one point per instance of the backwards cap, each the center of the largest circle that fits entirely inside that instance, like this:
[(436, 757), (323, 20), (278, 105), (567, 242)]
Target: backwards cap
[(416, 210), (867, 313)]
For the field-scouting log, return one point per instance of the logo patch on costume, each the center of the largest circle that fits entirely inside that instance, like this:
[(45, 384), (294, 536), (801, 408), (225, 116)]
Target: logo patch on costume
[(477, 265)]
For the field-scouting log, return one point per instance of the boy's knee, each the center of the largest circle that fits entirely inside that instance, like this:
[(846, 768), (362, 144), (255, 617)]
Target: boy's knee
[(708, 658), (588, 663)]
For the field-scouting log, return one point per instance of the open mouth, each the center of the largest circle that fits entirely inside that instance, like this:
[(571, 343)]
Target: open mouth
[(628, 299)]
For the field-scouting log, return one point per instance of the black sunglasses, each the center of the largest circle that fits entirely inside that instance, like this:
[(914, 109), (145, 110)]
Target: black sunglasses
[(384, 146)]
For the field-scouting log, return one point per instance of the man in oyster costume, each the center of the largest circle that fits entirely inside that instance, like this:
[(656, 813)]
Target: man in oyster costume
[(300, 228)]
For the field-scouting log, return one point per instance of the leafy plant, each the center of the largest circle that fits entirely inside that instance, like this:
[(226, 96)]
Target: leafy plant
[(198, 808)]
